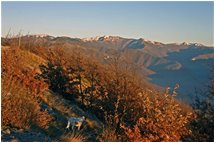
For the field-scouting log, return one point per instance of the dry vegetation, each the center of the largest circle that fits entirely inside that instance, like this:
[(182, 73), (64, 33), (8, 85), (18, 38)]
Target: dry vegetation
[(128, 109), (73, 137), (20, 91)]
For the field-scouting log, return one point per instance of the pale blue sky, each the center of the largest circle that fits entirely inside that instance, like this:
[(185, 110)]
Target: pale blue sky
[(159, 21)]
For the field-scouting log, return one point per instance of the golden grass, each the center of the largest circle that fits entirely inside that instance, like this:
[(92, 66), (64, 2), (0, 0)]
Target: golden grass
[(73, 137)]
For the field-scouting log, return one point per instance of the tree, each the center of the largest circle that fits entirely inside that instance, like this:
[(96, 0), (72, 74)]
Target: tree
[(55, 76)]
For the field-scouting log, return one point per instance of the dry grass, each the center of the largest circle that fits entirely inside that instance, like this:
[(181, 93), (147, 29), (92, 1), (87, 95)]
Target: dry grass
[(73, 137), (20, 93), (26, 58), (18, 109)]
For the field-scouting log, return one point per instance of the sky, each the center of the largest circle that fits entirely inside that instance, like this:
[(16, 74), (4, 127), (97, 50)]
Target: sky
[(167, 22)]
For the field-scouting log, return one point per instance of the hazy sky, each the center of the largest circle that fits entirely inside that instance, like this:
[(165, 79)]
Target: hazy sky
[(159, 21)]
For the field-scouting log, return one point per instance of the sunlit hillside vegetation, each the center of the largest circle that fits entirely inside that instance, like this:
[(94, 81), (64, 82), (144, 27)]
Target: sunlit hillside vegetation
[(42, 86)]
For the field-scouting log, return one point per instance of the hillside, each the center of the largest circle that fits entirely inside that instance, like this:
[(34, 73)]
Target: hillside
[(51, 105), (163, 65), (46, 80)]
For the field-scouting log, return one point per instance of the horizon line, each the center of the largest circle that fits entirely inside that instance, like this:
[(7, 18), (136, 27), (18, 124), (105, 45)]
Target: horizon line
[(103, 35)]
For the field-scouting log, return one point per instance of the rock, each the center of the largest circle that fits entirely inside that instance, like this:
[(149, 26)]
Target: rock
[(7, 131)]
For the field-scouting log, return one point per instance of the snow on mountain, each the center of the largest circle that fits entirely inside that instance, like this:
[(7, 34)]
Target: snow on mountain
[(191, 44), (101, 38), (196, 44), (40, 35), (91, 39)]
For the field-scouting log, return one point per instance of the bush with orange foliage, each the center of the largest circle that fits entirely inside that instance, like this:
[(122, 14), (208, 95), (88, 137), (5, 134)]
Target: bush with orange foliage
[(20, 108), (162, 120), (134, 134), (108, 135), (20, 93)]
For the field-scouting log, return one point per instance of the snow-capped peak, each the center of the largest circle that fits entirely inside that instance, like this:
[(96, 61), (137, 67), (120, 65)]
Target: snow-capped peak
[(194, 44), (40, 35), (102, 38), (91, 39), (146, 40), (152, 42)]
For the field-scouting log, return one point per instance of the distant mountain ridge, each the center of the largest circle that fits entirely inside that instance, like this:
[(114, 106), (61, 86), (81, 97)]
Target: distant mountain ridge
[(110, 38), (115, 38)]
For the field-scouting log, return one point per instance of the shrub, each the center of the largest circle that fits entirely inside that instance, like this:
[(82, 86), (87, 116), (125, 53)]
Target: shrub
[(17, 111), (20, 108), (133, 135), (161, 120), (55, 76), (108, 135), (60, 79), (20, 93)]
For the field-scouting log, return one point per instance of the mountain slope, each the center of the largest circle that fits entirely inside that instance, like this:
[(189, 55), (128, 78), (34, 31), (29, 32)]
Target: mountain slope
[(162, 64)]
